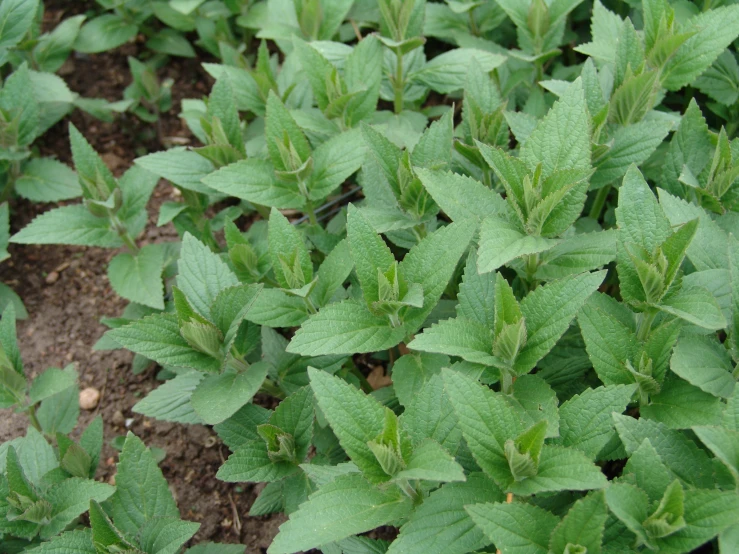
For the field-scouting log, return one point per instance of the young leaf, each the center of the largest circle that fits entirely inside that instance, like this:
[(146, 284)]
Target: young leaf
[(515, 528), (346, 506), (141, 493), (138, 277)]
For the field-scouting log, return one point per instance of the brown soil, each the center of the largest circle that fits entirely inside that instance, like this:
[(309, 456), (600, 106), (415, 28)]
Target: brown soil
[(66, 292)]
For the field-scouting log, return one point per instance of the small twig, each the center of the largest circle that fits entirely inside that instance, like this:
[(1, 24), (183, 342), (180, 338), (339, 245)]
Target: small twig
[(357, 32), (235, 512)]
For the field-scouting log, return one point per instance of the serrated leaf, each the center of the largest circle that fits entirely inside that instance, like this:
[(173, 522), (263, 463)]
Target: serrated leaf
[(548, 311), (583, 525), (254, 180), (69, 499), (166, 535), (515, 528), (461, 197), (158, 338), (218, 397), (562, 139), (429, 461), (345, 327), (203, 275), (51, 382), (183, 168), (441, 525), (467, 339), (695, 305), (678, 452), (138, 277), (355, 419), (680, 405), (502, 242), (585, 421), (141, 493), (68, 225), (171, 400), (71, 542), (346, 506)]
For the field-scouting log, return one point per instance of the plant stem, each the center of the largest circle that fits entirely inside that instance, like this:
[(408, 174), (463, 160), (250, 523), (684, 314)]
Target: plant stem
[(599, 202), (406, 487), (273, 390), (644, 325), (398, 83), (311, 212), (13, 174), (33, 419), (506, 381), (473, 23)]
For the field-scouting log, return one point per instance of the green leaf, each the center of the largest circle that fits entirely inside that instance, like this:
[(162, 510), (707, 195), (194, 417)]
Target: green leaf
[(447, 72), (203, 275), (577, 254), (166, 535), (431, 264), (16, 18), (251, 463), (290, 259), (47, 180), (183, 168), (583, 525), (461, 337), (158, 338), (71, 542), (585, 421), (218, 397), (713, 31), (70, 498), (515, 528), (502, 242), (51, 382), (104, 33), (141, 493), (345, 327), (346, 506), (275, 308), (431, 462), (138, 277), (171, 400), (610, 338), (429, 415), (476, 294), (647, 470), (562, 139), (629, 504), (695, 305), (369, 252), (486, 422), (280, 126), (724, 443), (355, 419), (461, 197), (441, 525), (254, 180), (333, 162), (640, 219), (679, 453), (680, 405), (68, 225), (548, 312)]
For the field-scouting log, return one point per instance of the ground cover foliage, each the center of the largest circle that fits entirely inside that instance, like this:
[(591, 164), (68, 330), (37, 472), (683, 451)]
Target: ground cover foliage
[(522, 213)]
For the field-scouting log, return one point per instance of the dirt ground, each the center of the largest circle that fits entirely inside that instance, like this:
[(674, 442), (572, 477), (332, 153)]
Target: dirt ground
[(66, 292)]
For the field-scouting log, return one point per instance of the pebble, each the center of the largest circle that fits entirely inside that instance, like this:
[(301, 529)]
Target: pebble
[(52, 277), (89, 398), (118, 418)]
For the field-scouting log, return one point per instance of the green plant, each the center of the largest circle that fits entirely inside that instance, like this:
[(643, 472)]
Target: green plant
[(551, 287)]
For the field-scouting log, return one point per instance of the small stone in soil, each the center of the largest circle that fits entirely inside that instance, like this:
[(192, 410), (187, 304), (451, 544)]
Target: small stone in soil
[(52, 277), (89, 398), (118, 418)]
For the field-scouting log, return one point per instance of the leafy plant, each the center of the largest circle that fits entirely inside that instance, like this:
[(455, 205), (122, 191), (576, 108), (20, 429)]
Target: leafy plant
[(520, 335)]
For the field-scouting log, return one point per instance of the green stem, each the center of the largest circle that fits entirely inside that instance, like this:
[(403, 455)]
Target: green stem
[(599, 202), (268, 387), (532, 264), (398, 83), (310, 305), (644, 324), (311, 212), (506, 381), (473, 24), (409, 490), (33, 419), (13, 173)]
